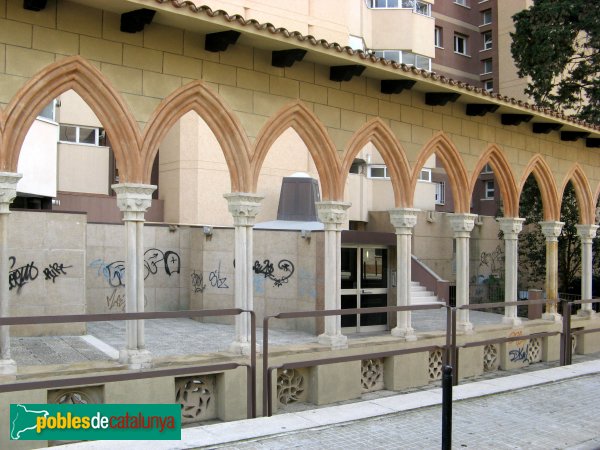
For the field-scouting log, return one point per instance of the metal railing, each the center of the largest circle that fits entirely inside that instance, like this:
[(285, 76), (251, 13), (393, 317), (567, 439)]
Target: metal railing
[(136, 375), (566, 350)]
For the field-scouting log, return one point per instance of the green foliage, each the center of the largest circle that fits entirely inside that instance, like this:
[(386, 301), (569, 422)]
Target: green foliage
[(557, 44), (532, 248), (569, 244)]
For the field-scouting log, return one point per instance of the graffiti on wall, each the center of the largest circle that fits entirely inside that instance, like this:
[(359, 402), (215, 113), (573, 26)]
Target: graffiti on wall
[(116, 300), (268, 270), (21, 275), (198, 282), (114, 272), (216, 280)]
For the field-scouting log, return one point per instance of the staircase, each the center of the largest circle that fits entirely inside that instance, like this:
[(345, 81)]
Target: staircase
[(419, 295)]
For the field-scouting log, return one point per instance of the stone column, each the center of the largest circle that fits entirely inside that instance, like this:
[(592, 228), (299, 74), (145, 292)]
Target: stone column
[(133, 200), (404, 220), (587, 233), (511, 227), (333, 215), (8, 191), (462, 224), (243, 207), (552, 231)]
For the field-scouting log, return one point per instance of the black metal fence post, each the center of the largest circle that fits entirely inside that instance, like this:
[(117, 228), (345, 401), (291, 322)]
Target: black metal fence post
[(447, 408)]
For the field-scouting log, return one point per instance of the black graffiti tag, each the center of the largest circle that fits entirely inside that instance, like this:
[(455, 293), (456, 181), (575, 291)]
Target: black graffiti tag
[(267, 269), (19, 277), (53, 271)]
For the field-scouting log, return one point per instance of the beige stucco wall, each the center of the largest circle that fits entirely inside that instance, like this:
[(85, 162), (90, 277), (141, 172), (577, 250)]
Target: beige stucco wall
[(83, 168), (37, 162), (75, 111)]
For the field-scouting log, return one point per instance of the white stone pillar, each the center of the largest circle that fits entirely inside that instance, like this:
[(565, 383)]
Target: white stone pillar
[(133, 200), (243, 207), (8, 191), (587, 233), (404, 220), (462, 224), (333, 215), (511, 227), (551, 231)]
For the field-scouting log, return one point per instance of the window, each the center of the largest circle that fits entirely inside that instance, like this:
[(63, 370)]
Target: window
[(487, 169), (425, 175), (48, 111), (487, 40), (461, 2), (489, 189), (422, 8), (422, 62), (487, 65), (486, 17), (82, 135), (460, 44), (437, 37), (384, 4), (440, 193), (419, 7), (378, 171), (488, 85)]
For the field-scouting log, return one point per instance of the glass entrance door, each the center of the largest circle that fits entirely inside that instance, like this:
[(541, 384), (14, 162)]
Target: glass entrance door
[(364, 284)]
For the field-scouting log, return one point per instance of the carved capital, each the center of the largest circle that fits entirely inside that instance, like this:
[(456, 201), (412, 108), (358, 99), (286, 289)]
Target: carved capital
[(551, 230), (133, 199), (332, 214), (511, 227), (8, 189), (244, 207), (462, 224), (586, 232), (403, 219)]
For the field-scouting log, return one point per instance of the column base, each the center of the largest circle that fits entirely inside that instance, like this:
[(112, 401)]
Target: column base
[(8, 370), (553, 317), (465, 327), (407, 334), (243, 348), (587, 314), (136, 359), (335, 342), (514, 321)]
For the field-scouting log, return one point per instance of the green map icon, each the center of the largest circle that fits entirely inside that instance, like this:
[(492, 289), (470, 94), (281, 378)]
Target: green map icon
[(22, 420)]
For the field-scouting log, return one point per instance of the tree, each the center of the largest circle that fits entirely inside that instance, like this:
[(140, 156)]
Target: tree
[(557, 44), (532, 248)]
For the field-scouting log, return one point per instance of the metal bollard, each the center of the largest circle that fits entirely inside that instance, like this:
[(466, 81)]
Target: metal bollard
[(447, 408)]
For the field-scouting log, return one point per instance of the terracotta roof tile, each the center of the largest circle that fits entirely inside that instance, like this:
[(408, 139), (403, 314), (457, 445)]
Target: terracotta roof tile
[(367, 56)]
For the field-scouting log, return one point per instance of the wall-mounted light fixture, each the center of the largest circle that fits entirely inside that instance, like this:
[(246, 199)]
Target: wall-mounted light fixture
[(305, 234), (207, 230)]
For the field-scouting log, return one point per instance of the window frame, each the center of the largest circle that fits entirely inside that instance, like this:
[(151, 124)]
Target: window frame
[(487, 169), (491, 66), (98, 133), (378, 166), (465, 42), (462, 3), (488, 43), (484, 16), (427, 178), (440, 193), (489, 193), (438, 37), (485, 83)]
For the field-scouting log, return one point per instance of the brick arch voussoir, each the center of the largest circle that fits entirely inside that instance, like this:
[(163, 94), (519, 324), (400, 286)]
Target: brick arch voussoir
[(78, 74), (314, 135), (221, 120), (447, 152), (539, 168), (503, 173), (585, 198), (379, 134)]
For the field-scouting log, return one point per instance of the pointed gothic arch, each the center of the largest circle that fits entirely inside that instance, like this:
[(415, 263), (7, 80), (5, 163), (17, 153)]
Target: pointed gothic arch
[(379, 134), (314, 135), (503, 173), (445, 149), (221, 120), (543, 176), (583, 191), (94, 88)]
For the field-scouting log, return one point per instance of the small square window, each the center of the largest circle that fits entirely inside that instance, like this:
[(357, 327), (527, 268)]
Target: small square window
[(440, 193), (438, 37), (378, 171), (488, 85), (425, 175), (461, 2), (489, 189), (487, 169), (460, 44), (487, 66), (487, 40)]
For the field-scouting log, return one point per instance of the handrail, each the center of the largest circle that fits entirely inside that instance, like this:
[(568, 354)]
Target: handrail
[(566, 351)]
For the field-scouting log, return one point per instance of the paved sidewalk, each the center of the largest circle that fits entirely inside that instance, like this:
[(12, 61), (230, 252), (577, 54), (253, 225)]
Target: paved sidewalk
[(554, 408)]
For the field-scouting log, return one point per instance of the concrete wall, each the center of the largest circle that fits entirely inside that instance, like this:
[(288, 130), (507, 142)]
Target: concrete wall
[(37, 161), (83, 168)]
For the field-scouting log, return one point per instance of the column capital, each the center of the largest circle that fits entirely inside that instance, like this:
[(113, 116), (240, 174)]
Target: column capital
[(332, 214), (462, 224), (403, 219), (586, 232), (244, 207), (511, 226), (133, 199), (8, 189), (551, 230)]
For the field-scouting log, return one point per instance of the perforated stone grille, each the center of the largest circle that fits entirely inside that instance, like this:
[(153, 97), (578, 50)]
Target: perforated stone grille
[(196, 397), (435, 365), (534, 350), (291, 386), (490, 358), (77, 396), (372, 375)]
